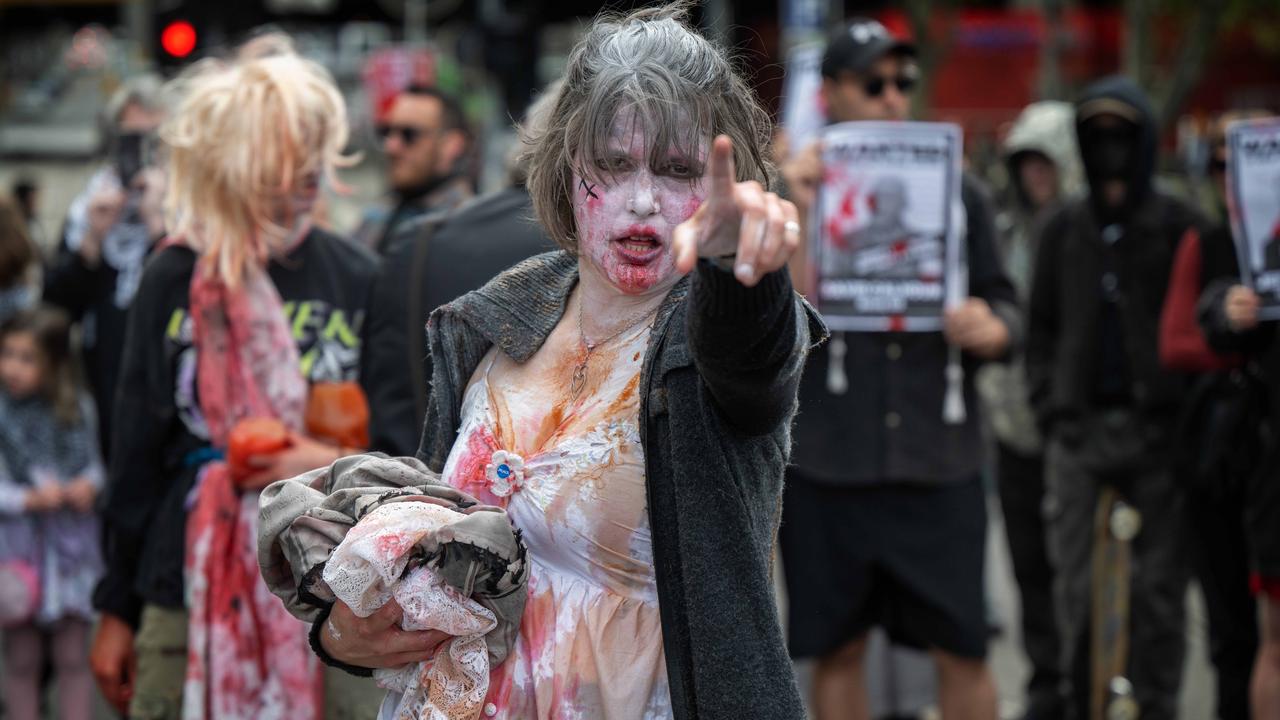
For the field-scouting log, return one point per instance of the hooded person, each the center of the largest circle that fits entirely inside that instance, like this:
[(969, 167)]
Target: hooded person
[(1043, 165), (1102, 400), (1044, 169)]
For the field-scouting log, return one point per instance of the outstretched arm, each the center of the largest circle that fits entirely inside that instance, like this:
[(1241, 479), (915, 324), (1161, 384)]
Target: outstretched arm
[(748, 332)]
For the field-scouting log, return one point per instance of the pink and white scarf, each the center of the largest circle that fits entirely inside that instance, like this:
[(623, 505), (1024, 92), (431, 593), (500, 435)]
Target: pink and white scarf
[(248, 658)]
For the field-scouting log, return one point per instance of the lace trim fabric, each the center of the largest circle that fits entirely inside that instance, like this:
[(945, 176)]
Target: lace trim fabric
[(368, 569)]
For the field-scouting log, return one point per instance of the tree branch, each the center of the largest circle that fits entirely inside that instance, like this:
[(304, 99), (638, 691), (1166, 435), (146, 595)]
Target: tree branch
[(1137, 45), (928, 52), (1050, 79), (1195, 46)]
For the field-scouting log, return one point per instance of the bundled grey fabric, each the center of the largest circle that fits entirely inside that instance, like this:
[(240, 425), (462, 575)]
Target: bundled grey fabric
[(303, 519)]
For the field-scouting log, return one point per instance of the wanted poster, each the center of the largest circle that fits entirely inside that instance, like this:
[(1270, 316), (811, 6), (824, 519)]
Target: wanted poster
[(887, 226), (1253, 202)]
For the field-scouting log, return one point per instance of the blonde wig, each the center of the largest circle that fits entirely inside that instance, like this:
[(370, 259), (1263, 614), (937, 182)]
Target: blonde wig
[(246, 137)]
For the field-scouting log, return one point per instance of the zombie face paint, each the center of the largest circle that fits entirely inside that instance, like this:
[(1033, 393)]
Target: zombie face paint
[(626, 216)]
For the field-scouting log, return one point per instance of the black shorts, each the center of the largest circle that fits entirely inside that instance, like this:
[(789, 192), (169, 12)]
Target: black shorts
[(907, 558)]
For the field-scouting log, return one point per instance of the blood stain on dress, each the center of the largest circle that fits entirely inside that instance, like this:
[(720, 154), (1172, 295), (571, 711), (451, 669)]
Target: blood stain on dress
[(625, 400), (548, 429), (470, 474), (392, 545), (504, 436)]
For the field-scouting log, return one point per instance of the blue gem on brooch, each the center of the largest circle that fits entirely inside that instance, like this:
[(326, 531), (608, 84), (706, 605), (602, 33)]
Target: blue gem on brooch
[(505, 472)]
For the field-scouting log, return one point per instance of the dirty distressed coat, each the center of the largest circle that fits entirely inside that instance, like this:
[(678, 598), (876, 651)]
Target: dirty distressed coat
[(302, 520), (718, 396)]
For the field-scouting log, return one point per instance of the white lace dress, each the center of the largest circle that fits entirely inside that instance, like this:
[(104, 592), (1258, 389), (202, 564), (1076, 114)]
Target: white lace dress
[(590, 642)]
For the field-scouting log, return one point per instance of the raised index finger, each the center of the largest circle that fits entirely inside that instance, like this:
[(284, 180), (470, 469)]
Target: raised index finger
[(721, 167)]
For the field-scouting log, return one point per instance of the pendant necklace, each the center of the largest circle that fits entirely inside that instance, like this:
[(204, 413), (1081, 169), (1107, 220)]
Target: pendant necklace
[(579, 380)]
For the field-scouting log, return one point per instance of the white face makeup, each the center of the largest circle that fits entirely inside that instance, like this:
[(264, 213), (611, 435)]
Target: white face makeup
[(626, 220)]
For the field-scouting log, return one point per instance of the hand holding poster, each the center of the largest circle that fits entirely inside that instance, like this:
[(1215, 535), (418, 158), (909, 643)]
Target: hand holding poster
[(1253, 201), (886, 250)]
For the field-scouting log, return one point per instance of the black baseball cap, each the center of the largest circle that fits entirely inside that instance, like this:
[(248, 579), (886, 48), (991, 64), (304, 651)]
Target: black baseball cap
[(858, 45)]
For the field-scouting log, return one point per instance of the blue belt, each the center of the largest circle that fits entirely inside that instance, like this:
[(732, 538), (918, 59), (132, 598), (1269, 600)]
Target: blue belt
[(202, 455)]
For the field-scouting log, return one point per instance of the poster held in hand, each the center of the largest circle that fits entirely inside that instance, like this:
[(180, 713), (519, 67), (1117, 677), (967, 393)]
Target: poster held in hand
[(886, 244), (1253, 202)]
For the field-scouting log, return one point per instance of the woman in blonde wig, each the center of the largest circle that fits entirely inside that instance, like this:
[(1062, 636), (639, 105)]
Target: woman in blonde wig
[(245, 305)]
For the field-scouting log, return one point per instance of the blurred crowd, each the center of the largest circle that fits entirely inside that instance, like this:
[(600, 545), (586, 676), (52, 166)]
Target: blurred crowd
[(1112, 359)]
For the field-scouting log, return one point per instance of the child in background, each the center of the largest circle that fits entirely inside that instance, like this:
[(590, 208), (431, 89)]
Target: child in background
[(50, 474), (19, 262)]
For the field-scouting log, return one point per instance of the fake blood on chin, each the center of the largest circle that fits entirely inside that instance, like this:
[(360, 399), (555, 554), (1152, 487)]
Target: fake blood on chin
[(636, 259)]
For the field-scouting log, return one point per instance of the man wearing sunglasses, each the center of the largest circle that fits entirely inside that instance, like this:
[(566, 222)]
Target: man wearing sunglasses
[(426, 142), (885, 520)]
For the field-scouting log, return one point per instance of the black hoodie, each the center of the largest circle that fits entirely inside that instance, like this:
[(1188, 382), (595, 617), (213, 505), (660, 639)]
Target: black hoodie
[(1117, 95), (1095, 303)]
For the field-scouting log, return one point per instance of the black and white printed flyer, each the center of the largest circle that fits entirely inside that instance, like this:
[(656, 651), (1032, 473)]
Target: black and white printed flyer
[(888, 225), (1253, 202)]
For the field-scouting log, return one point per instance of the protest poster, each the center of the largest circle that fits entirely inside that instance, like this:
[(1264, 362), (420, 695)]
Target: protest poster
[(885, 247), (1253, 203)]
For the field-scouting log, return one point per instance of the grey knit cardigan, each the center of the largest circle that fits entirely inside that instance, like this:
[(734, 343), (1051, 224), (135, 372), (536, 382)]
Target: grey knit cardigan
[(719, 383)]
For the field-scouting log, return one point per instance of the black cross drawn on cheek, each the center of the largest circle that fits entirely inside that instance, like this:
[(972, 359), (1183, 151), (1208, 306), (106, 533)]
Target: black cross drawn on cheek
[(590, 189)]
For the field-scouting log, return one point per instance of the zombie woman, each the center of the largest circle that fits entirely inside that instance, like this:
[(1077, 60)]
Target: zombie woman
[(627, 400)]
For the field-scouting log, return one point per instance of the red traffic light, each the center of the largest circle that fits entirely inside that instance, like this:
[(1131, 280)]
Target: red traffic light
[(178, 38)]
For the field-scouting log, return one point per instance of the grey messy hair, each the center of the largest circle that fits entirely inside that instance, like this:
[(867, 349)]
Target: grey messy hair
[(535, 122), (682, 89)]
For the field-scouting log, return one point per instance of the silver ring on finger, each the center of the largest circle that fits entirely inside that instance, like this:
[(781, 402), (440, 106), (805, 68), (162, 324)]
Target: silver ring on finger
[(791, 227)]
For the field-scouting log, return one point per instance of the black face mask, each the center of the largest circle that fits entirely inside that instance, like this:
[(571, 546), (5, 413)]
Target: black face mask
[(1109, 151)]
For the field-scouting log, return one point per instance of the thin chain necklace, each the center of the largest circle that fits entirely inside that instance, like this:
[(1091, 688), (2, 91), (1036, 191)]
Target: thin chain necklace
[(579, 380)]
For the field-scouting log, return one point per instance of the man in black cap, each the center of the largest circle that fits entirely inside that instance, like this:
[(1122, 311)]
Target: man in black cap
[(884, 514)]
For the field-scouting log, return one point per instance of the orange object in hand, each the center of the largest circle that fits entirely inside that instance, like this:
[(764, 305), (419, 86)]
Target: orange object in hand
[(339, 413), (251, 437)]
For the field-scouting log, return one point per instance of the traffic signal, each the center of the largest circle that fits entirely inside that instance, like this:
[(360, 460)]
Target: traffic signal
[(182, 32), (178, 39)]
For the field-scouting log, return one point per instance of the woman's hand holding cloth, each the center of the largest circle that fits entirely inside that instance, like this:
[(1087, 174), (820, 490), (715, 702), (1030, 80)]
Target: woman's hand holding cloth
[(349, 532)]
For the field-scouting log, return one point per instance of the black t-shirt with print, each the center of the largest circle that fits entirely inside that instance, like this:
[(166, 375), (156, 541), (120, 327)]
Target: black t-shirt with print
[(159, 438)]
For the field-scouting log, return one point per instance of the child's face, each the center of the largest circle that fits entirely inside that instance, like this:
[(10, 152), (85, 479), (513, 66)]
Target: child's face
[(21, 369)]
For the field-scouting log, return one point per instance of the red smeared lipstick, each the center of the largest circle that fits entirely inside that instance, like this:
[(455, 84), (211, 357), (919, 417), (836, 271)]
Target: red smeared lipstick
[(638, 244)]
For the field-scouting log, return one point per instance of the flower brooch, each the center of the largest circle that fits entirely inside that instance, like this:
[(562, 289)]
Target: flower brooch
[(505, 472)]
